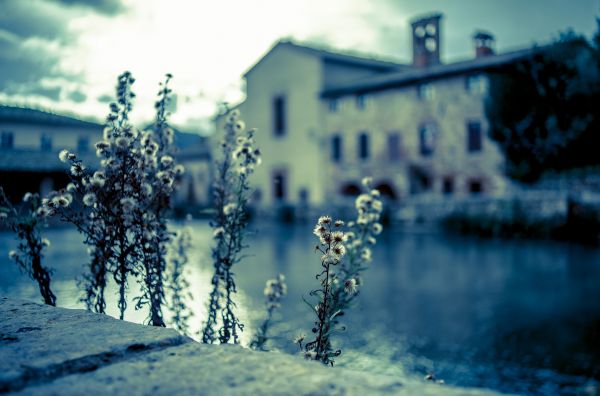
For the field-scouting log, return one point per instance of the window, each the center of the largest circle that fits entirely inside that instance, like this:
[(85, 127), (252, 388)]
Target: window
[(279, 123), (83, 144), (279, 185), (477, 84), (426, 91), (334, 105), (474, 136), (303, 195), (393, 146), (8, 140), (427, 137), (46, 143), (361, 101), (336, 148), (475, 186), (363, 146), (448, 185)]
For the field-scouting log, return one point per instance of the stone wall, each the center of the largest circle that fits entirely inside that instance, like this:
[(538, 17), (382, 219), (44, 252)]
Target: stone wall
[(57, 351)]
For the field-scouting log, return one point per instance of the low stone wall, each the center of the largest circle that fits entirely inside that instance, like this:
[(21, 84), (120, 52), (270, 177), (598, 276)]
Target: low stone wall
[(57, 351)]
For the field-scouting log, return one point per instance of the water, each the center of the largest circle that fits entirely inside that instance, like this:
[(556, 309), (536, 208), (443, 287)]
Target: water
[(515, 316)]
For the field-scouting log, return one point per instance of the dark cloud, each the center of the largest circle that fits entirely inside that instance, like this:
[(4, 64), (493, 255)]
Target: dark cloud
[(77, 96), (105, 98), (32, 35), (23, 64), (27, 19), (107, 7), (49, 92)]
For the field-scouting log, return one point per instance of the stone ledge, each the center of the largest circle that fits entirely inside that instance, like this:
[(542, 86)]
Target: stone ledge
[(56, 351)]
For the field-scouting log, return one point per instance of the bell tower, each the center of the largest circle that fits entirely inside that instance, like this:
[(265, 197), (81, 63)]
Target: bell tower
[(426, 40)]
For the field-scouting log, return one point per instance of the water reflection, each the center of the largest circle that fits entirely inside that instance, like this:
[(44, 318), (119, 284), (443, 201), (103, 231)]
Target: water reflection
[(517, 316)]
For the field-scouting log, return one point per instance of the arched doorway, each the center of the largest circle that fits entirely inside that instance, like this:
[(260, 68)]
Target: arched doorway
[(387, 191), (350, 189)]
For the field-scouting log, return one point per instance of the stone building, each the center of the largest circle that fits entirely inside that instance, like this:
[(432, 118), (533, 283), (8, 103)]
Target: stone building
[(327, 119)]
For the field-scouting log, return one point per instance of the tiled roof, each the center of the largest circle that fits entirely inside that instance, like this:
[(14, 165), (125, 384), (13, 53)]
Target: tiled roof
[(407, 77), (355, 59), (26, 115), (38, 161)]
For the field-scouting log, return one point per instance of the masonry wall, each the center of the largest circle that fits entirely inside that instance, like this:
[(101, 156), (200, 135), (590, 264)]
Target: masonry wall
[(403, 111)]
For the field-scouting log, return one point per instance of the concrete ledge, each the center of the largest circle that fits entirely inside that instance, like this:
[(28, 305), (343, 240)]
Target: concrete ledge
[(56, 351)]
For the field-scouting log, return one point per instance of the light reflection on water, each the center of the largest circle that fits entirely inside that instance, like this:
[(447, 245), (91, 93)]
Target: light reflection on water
[(517, 316)]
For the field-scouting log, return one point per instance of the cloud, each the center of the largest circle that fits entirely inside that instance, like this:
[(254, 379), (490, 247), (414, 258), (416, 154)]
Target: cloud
[(34, 35), (105, 98), (77, 96), (24, 62), (31, 18), (107, 7)]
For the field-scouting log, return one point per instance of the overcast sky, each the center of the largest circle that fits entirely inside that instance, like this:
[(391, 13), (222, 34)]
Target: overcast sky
[(65, 55)]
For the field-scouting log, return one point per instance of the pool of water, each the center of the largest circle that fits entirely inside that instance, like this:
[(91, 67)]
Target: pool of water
[(516, 316)]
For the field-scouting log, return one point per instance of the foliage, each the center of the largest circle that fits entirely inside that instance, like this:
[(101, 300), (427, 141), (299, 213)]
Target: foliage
[(344, 257), (542, 109), (125, 204), (231, 193), (274, 291), (27, 223), (177, 259)]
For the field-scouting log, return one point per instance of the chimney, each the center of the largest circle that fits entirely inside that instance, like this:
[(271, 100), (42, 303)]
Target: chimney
[(426, 40), (484, 43)]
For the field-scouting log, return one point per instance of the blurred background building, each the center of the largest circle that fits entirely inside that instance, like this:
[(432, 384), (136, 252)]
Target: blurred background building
[(326, 119), (31, 140)]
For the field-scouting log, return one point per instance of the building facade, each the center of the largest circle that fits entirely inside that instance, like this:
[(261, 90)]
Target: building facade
[(326, 119)]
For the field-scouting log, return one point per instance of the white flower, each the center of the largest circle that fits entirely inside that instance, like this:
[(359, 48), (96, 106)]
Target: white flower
[(13, 254), (77, 169), (99, 179), (377, 228), (27, 197), (166, 160), (338, 251), (366, 254), (366, 181), (350, 286), (63, 156), (179, 169), (239, 126), (122, 142), (61, 200), (45, 242), (218, 232), (229, 208), (89, 199), (43, 212), (339, 223), (71, 187), (338, 237), (319, 230), (324, 220), (375, 193)]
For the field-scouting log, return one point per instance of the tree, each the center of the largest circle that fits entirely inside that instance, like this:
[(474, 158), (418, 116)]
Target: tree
[(542, 110)]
